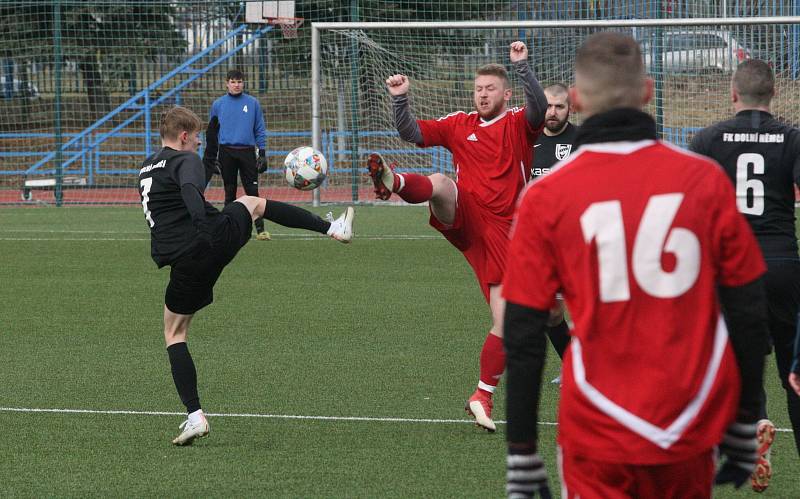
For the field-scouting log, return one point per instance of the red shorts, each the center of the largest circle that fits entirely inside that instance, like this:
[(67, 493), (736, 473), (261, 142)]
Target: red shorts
[(587, 479), (481, 236)]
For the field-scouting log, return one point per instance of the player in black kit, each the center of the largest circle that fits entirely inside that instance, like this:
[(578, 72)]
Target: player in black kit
[(197, 241), (555, 143), (762, 158)]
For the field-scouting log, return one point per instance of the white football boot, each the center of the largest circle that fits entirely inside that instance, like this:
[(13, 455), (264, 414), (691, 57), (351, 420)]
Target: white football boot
[(342, 228), (190, 431)]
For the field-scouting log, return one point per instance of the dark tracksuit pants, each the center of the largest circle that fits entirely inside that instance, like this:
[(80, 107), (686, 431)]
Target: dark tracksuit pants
[(241, 160), (782, 285)]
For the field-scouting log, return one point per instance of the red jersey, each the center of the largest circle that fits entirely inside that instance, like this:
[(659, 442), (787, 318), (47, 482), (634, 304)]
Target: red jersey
[(492, 158), (649, 376)]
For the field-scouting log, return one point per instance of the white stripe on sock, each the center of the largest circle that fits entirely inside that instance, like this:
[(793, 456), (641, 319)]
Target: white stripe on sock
[(485, 387)]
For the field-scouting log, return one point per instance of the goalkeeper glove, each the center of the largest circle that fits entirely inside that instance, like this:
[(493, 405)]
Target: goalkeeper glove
[(212, 166), (525, 475), (739, 448), (261, 161)]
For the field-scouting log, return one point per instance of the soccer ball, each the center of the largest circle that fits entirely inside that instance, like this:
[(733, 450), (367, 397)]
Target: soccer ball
[(306, 168)]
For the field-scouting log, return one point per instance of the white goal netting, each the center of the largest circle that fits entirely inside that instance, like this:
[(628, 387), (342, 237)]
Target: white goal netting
[(691, 65)]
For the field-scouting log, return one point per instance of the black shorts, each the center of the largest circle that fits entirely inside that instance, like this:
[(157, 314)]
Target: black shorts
[(192, 276)]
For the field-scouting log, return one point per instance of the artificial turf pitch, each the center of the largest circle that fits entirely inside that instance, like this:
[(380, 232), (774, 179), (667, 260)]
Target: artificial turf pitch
[(330, 370)]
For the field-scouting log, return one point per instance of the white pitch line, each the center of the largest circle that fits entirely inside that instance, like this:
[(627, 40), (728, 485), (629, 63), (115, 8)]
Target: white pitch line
[(267, 416), (245, 415), (280, 238)]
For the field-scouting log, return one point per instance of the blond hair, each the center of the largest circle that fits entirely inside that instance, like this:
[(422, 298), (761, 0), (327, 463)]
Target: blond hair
[(494, 70), (176, 120)]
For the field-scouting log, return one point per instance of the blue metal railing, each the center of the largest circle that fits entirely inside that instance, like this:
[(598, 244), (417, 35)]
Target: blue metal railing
[(147, 104), (87, 154)]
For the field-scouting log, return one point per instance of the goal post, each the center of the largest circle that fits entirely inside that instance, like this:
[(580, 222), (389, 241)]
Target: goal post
[(691, 61)]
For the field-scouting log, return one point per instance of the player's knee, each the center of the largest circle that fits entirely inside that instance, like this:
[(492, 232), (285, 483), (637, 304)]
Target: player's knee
[(439, 180), (444, 188), (255, 205), (175, 333)]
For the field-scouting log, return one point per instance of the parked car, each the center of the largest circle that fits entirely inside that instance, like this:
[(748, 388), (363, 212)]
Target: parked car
[(18, 89), (696, 52)]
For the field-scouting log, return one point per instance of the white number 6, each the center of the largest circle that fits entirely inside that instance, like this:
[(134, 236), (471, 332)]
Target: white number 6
[(744, 184)]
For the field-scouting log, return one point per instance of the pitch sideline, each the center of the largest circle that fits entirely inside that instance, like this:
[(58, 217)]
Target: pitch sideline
[(263, 416)]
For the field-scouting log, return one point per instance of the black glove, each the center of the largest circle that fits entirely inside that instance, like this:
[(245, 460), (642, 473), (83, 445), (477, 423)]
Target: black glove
[(213, 166), (739, 449), (261, 161), (525, 476)]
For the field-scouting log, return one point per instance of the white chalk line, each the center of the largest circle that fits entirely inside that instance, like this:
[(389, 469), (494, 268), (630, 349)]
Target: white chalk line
[(277, 237), (265, 416)]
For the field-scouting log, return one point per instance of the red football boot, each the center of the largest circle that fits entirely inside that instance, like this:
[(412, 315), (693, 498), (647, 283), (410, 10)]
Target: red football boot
[(479, 406), (383, 177)]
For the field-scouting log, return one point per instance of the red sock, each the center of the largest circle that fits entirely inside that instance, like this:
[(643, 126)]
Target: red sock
[(413, 188), (493, 363)]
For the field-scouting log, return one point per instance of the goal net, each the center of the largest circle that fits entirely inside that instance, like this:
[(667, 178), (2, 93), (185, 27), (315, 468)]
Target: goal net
[(691, 65)]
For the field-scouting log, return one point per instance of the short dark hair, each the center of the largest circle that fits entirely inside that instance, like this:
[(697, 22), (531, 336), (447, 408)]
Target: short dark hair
[(234, 74), (754, 81), (494, 70), (176, 120), (557, 89), (612, 71)]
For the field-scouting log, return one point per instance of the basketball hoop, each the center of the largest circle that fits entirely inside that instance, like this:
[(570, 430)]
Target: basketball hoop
[(289, 25)]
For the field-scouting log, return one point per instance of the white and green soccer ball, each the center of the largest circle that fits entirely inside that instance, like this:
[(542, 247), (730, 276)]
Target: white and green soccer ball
[(306, 168)]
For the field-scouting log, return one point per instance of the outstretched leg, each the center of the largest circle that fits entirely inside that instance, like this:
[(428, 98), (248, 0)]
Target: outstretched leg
[(295, 217), (438, 190)]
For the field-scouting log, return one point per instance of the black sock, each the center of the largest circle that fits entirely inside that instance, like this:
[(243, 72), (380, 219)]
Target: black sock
[(762, 404), (184, 375), (291, 216), (559, 337)]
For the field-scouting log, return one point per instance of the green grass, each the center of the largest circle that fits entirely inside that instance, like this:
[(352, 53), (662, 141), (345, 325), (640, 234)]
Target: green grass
[(382, 328)]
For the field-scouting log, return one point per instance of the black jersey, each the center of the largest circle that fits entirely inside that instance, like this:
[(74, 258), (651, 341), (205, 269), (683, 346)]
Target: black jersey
[(762, 158), (172, 231), (549, 150)]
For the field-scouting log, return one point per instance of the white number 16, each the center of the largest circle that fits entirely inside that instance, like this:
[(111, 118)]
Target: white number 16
[(602, 222)]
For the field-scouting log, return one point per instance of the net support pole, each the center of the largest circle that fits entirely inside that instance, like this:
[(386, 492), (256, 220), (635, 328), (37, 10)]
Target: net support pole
[(659, 74), (354, 104), (59, 139), (316, 132)]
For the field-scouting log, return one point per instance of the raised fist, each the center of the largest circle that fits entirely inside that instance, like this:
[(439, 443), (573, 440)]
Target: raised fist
[(519, 52), (398, 84)]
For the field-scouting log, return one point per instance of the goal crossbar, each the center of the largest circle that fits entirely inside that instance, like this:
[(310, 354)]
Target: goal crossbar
[(318, 27), (610, 23)]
